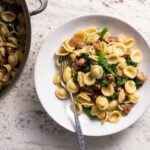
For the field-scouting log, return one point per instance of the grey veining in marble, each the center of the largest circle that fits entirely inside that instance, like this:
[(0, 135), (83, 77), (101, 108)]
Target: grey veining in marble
[(24, 125)]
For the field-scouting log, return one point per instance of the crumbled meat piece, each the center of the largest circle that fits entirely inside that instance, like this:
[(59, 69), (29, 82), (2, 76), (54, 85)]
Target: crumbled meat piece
[(97, 45), (93, 97), (80, 62), (142, 76), (77, 42), (110, 78), (111, 39), (126, 108)]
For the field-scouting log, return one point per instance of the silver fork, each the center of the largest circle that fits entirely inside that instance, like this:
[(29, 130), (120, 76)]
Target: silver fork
[(80, 136)]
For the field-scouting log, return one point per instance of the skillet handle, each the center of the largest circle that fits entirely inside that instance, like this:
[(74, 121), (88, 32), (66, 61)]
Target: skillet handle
[(40, 9)]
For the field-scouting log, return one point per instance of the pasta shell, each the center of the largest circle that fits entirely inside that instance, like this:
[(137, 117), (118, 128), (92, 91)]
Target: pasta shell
[(61, 93), (96, 71), (58, 63), (87, 105), (102, 103), (109, 49), (112, 59), (2, 73), (13, 59), (8, 16), (113, 105), (101, 115), (83, 97), (88, 80), (6, 77), (79, 108), (91, 38), (67, 46), (57, 78), (8, 67), (10, 44), (134, 97), (121, 38), (92, 51), (2, 51), (81, 34), (80, 78), (94, 110), (61, 52), (72, 87), (121, 96), (120, 49), (91, 30), (67, 74), (114, 117), (130, 86), (129, 43), (130, 72), (136, 56), (103, 46), (107, 90), (13, 40)]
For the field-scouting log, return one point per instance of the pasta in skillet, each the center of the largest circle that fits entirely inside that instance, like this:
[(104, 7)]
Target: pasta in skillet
[(102, 72)]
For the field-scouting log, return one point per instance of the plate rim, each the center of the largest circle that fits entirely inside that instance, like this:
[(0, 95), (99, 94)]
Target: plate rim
[(64, 24)]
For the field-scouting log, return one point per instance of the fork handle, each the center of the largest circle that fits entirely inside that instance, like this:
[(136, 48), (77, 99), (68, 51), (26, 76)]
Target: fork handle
[(81, 139)]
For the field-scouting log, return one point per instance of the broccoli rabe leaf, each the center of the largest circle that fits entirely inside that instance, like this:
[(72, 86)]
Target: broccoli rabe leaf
[(87, 112), (62, 59), (113, 97), (130, 62), (75, 76), (102, 33), (138, 82), (119, 81)]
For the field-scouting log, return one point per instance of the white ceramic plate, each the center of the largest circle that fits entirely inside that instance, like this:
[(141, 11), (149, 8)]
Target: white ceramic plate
[(45, 69)]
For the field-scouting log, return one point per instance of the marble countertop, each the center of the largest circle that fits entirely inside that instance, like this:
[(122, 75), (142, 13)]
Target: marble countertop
[(24, 125)]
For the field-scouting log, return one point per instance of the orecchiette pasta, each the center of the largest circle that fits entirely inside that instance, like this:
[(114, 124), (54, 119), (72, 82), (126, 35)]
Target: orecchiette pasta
[(80, 78), (61, 52), (129, 43), (134, 97), (113, 105), (120, 49), (130, 86), (114, 117), (96, 71), (102, 103), (61, 93), (88, 79), (101, 70), (136, 56), (107, 90), (130, 72), (57, 78), (67, 74), (72, 86), (112, 59), (121, 96)]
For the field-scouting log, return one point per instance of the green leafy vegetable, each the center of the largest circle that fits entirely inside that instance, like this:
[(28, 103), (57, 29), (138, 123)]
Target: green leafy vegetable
[(130, 62), (86, 69), (107, 67), (86, 56), (62, 59), (120, 81), (138, 82), (113, 97), (87, 112), (103, 32), (75, 76), (104, 63)]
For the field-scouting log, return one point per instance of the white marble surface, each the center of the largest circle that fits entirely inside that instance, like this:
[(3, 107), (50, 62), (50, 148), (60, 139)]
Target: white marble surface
[(24, 125)]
